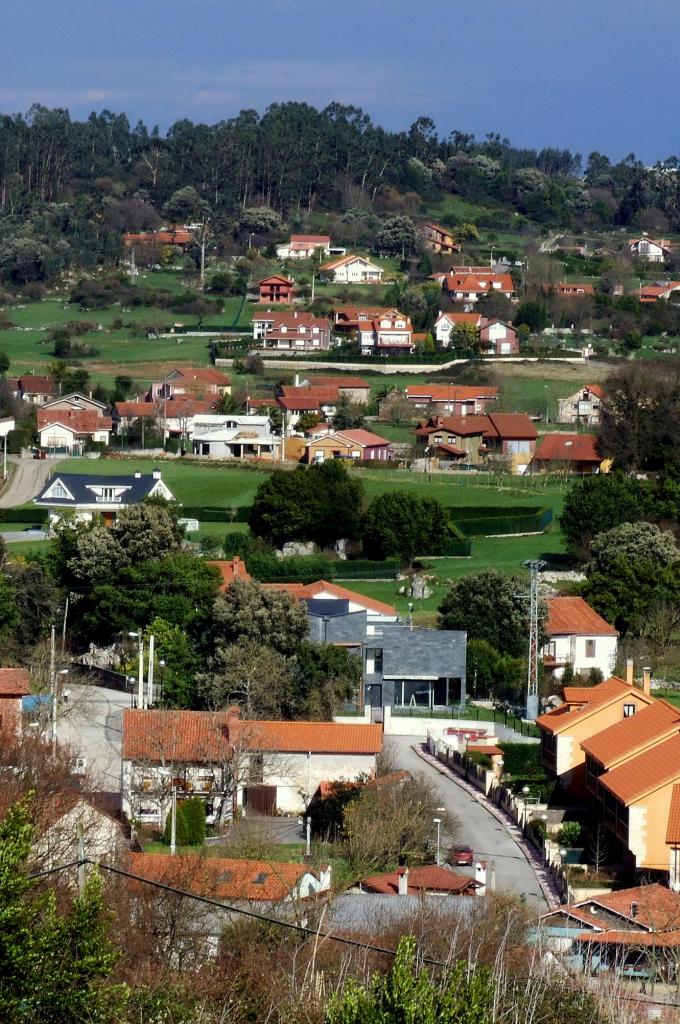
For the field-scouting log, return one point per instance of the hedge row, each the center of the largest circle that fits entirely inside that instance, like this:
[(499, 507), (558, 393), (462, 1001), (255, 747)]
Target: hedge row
[(211, 514), (23, 515), (491, 525), (306, 569)]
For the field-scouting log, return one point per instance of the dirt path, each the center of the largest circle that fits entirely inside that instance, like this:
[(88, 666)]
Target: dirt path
[(29, 476)]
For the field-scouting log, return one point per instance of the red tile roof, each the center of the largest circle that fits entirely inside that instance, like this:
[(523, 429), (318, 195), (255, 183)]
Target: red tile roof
[(571, 290), (290, 319), (364, 438), (174, 236), (659, 766), (451, 392), (235, 569), (349, 258), (461, 318), (464, 426), (605, 693), (673, 827), (170, 408), (658, 908), (429, 878), (622, 740), (619, 937), (568, 448), (192, 737), (479, 283), (221, 878), (81, 421), (595, 389), (303, 240), (513, 426), (32, 385), (14, 682), (572, 616), (314, 737), (276, 279)]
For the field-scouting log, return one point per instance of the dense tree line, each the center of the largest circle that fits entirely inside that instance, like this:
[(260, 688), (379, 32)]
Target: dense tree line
[(69, 188)]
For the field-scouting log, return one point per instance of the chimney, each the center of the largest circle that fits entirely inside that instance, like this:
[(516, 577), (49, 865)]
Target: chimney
[(156, 474), (647, 680), (633, 910), (629, 671), (296, 381), (138, 476), (403, 881)]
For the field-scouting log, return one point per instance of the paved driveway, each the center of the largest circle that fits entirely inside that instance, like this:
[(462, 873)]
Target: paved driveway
[(28, 479), (489, 839)]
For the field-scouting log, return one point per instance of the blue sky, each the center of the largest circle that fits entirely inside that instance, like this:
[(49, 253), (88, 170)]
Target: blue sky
[(586, 74)]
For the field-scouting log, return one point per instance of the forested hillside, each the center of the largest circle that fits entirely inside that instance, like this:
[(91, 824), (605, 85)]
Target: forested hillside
[(68, 189)]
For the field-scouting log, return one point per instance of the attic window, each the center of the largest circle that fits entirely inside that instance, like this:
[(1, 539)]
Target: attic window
[(568, 444), (226, 876), (59, 491), (628, 710), (260, 878)]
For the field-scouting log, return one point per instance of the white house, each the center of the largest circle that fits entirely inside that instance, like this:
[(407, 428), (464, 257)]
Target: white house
[(651, 250), (103, 495), (257, 766), (234, 437), (386, 334), (583, 406), (296, 331), (446, 323), (68, 816), (351, 269), (578, 636), (304, 247)]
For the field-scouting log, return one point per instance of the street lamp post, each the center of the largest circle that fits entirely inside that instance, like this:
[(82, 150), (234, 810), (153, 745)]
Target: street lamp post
[(438, 823), (525, 793)]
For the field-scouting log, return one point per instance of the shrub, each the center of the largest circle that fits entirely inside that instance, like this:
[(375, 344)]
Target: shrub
[(194, 817), (569, 833)]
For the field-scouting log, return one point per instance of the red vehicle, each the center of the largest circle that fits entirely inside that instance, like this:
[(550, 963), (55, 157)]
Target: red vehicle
[(460, 855)]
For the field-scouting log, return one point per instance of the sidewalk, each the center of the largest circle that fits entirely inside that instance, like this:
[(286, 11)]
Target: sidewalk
[(550, 891)]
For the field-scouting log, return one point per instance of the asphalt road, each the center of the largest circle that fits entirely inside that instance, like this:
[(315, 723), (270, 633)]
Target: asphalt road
[(479, 829), (28, 479)]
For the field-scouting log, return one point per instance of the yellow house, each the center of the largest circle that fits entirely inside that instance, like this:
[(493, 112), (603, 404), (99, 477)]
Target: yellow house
[(586, 711), (637, 799)]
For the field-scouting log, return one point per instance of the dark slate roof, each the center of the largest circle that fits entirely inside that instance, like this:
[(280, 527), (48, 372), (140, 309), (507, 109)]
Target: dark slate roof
[(422, 653), (359, 912), (326, 608), (78, 483)]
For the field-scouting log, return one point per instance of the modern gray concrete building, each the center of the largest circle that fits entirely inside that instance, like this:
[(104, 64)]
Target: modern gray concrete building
[(402, 667)]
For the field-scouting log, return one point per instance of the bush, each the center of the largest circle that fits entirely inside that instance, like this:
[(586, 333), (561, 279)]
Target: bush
[(569, 834), (194, 816), (522, 759)]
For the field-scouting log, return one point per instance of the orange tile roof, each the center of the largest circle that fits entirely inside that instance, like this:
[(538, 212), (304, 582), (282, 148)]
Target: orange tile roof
[(430, 877), (658, 907), (568, 448), (620, 741), (302, 591), (577, 694), (649, 771), (572, 616), (222, 878), (513, 425), (33, 385), (234, 569), (14, 682), (204, 374), (619, 937), (673, 827), (461, 318), (310, 240), (81, 421), (191, 737), (364, 438), (451, 392), (349, 258), (605, 693), (170, 408), (596, 390), (314, 737)]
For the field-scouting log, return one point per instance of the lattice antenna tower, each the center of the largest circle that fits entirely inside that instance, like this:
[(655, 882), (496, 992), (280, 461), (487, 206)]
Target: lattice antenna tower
[(534, 566)]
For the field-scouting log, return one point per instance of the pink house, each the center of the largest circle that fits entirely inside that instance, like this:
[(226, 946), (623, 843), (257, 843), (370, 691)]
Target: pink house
[(498, 337)]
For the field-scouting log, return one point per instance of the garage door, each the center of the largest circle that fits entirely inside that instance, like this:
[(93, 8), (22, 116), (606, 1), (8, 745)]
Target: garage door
[(260, 799)]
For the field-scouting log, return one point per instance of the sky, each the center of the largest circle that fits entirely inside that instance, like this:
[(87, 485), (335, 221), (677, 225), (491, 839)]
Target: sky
[(581, 74)]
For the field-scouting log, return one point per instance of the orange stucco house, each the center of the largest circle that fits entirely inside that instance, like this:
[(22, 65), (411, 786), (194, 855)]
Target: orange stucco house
[(586, 711)]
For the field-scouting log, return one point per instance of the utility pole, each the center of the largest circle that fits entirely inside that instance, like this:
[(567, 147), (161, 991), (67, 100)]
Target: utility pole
[(81, 860), (133, 267), (534, 566), (173, 822), (149, 676), (53, 686)]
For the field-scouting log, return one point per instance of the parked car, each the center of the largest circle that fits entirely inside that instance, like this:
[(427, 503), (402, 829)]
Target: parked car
[(460, 855)]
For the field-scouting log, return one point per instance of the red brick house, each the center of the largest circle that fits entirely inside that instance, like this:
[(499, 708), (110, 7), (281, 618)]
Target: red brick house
[(14, 685), (277, 289), (498, 337)]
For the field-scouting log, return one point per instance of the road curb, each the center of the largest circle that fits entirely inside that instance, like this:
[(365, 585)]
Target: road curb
[(549, 890)]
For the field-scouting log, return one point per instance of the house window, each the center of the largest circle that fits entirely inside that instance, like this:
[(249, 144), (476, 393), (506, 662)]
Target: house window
[(590, 648), (628, 710), (550, 650), (108, 494), (59, 491)]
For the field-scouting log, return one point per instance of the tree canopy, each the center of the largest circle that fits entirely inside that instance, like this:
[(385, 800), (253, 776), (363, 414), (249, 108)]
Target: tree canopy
[(489, 606)]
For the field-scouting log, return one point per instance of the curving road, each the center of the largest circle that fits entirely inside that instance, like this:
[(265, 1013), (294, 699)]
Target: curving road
[(27, 480), (490, 840)]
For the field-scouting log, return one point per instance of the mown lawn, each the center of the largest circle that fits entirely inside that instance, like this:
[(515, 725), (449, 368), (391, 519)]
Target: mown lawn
[(192, 484)]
